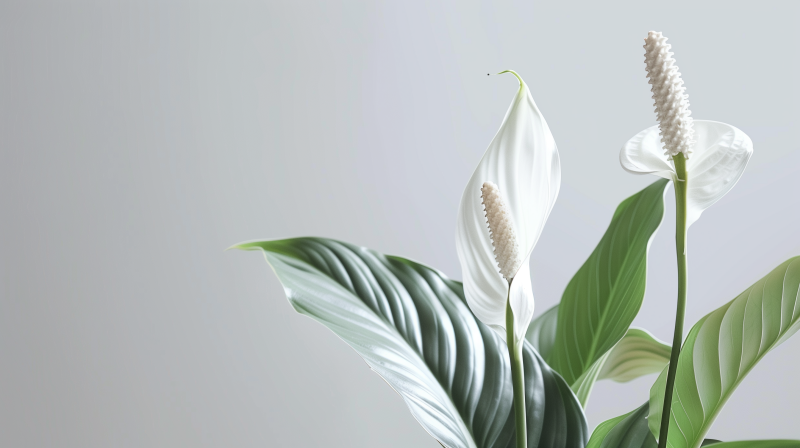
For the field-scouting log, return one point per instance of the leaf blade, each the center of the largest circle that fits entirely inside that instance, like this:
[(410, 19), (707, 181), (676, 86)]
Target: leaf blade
[(606, 293), (412, 326), (722, 348)]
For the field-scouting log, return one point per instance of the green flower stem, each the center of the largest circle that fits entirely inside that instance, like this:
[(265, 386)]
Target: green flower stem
[(517, 376), (680, 249)]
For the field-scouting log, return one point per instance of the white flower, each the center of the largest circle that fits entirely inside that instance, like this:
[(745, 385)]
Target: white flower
[(716, 153), (522, 162)]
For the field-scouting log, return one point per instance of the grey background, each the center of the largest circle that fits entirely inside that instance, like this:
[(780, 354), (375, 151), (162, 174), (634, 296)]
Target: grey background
[(139, 140)]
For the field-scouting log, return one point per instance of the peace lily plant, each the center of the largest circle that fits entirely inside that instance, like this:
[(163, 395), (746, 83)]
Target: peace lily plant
[(473, 366)]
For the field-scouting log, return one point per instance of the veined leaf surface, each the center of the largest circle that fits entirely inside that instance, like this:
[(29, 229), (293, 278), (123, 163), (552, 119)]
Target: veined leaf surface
[(631, 431), (605, 295), (626, 431), (412, 326), (638, 353), (722, 348)]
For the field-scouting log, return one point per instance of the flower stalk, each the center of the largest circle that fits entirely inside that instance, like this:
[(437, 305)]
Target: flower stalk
[(681, 184), (517, 378), (676, 128), (704, 159)]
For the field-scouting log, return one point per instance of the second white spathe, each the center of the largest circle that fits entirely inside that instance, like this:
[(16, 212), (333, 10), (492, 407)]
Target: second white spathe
[(718, 159)]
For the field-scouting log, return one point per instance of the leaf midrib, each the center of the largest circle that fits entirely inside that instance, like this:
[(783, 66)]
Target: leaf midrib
[(623, 268)]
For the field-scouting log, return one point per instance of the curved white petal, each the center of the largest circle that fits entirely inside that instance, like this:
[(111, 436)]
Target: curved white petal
[(522, 160), (718, 159), (644, 154), (521, 298)]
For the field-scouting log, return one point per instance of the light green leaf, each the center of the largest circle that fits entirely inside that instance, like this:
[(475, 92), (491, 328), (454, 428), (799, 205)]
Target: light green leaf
[(722, 348), (605, 295), (638, 353), (412, 326)]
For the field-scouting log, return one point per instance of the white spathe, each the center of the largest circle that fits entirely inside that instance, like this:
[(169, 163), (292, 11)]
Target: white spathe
[(522, 160), (717, 161)]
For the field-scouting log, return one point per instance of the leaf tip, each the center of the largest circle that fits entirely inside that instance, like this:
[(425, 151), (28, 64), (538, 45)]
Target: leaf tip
[(245, 245)]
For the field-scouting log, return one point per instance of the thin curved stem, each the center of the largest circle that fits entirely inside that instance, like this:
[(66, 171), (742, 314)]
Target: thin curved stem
[(517, 376), (680, 249)]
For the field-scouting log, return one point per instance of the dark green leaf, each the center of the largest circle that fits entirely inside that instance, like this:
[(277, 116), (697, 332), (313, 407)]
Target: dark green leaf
[(412, 326)]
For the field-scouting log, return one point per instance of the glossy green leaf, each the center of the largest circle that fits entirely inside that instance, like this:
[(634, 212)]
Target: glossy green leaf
[(631, 431), (722, 348), (412, 326), (605, 295)]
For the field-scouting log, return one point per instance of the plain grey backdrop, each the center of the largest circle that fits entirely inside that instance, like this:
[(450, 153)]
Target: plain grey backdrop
[(141, 139)]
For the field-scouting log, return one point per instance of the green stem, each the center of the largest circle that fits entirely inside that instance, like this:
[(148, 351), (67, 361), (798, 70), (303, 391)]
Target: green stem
[(680, 249), (517, 376)]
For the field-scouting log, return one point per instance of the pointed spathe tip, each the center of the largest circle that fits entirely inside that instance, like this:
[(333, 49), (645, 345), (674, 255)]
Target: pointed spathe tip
[(515, 74)]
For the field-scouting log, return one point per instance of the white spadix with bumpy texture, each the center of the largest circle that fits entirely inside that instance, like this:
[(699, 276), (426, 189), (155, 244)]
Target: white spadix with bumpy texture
[(501, 230), (719, 151), (671, 102), (522, 162)]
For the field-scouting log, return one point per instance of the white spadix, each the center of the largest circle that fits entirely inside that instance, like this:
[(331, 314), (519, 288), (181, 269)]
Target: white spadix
[(501, 229)]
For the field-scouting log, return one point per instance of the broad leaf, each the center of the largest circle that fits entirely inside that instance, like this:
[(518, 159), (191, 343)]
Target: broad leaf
[(412, 326), (631, 431), (722, 348), (605, 295)]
